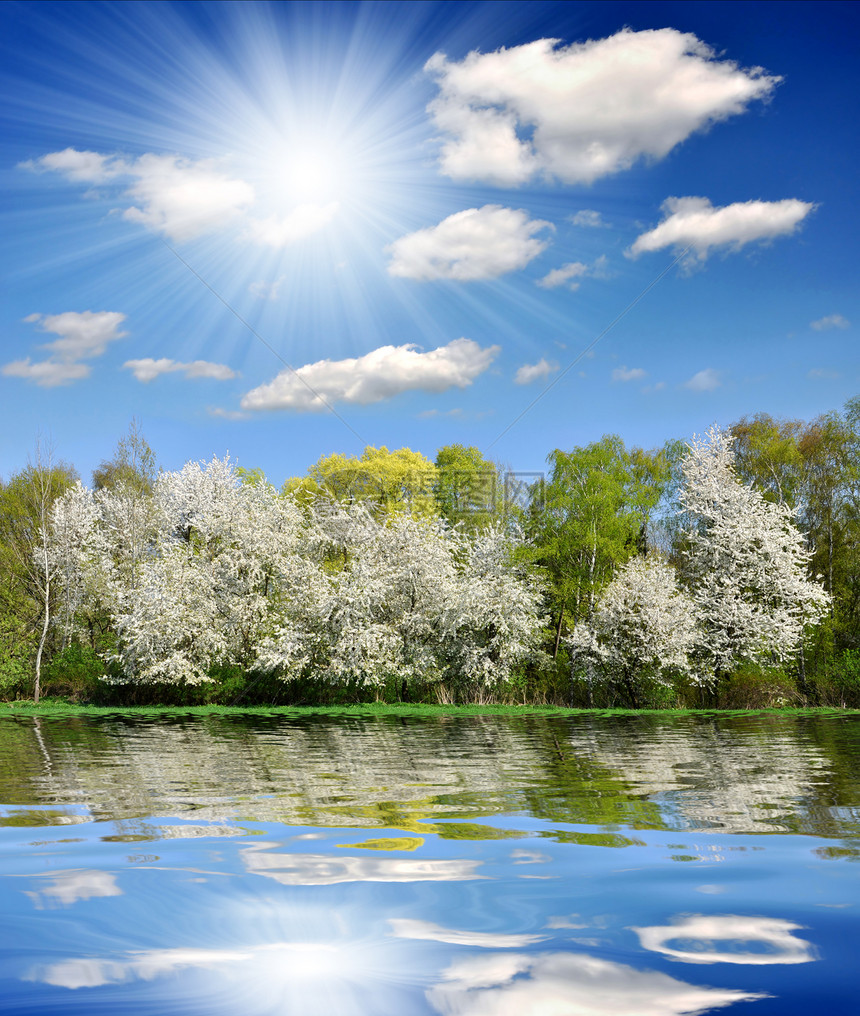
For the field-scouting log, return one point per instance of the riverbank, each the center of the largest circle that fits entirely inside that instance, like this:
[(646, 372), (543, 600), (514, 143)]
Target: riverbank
[(55, 707)]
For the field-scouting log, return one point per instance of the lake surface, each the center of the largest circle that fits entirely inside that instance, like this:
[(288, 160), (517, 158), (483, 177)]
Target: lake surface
[(486, 865)]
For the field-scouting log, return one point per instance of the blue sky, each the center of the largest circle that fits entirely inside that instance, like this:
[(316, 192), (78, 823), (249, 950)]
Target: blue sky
[(284, 230)]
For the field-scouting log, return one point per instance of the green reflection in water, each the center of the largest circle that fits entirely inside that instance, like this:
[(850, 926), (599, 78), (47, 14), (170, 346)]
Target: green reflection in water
[(446, 775)]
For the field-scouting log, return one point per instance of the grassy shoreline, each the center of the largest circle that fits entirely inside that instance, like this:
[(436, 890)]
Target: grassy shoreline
[(58, 707)]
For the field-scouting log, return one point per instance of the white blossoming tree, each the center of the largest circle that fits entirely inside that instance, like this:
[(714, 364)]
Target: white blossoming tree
[(745, 563), (215, 571), (643, 627)]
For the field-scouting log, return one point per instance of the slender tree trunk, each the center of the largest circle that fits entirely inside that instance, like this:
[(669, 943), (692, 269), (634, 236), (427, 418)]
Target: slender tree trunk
[(558, 629), (37, 686)]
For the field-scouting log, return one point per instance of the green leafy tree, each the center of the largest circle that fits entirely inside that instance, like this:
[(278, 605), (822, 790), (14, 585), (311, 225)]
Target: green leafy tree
[(390, 483), (591, 516), (29, 590), (468, 487)]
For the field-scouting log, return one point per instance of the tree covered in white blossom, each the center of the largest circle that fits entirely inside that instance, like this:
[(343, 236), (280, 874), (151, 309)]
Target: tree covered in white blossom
[(745, 564), (210, 571), (643, 627)]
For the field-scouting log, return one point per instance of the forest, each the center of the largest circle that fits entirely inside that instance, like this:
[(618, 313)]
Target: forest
[(721, 571)]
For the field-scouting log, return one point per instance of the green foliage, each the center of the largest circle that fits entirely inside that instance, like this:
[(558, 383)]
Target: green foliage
[(133, 465), (391, 482), (468, 487), (74, 673)]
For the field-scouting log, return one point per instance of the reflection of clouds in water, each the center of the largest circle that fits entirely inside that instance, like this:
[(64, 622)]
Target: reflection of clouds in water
[(529, 857), (564, 921), (90, 972), (402, 927), (67, 887), (289, 978), (696, 935), (567, 984), (325, 869)]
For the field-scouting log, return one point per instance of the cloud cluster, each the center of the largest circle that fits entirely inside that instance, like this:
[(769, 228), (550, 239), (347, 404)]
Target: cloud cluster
[(83, 335), (298, 224), (632, 374), (147, 369), (379, 374), (831, 321), (587, 217), (583, 111), (704, 381), (695, 223), (181, 198), (571, 274), (478, 243), (530, 372)]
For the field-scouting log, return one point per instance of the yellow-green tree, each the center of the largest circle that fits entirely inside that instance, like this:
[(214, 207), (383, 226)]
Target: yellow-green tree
[(390, 482)]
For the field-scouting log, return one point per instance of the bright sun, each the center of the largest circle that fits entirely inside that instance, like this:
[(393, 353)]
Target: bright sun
[(316, 174)]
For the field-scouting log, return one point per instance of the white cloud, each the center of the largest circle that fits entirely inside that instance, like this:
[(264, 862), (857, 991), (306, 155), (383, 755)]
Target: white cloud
[(147, 369), (587, 217), (695, 223), (633, 374), (380, 374), (692, 939), (530, 372), (569, 984), (831, 321), (569, 274), (704, 381), (83, 335), (583, 111), (298, 224), (81, 167), (478, 243), (822, 374), (175, 196), (47, 373), (184, 199)]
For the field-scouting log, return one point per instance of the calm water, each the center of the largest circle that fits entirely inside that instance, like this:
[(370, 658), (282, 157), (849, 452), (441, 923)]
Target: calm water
[(498, 866)]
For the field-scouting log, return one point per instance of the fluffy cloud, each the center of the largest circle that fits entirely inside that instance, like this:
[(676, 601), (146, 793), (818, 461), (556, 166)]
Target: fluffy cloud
[(831, 321), (82, 335), (81, 167), (588, 218), (704, 381), (47, 373), (633, 374), (478, 243), (177, 197), (380, 374), (530, 372), (147, 369), (695, 223), (184, 199), (583, 111), (570, 274), (298, 224)]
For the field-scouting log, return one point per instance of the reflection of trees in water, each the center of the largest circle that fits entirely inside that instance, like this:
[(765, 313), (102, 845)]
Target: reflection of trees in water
[(734, 774)]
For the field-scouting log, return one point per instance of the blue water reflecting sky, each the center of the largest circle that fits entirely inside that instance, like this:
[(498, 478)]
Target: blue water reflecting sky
[(515, 913)]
